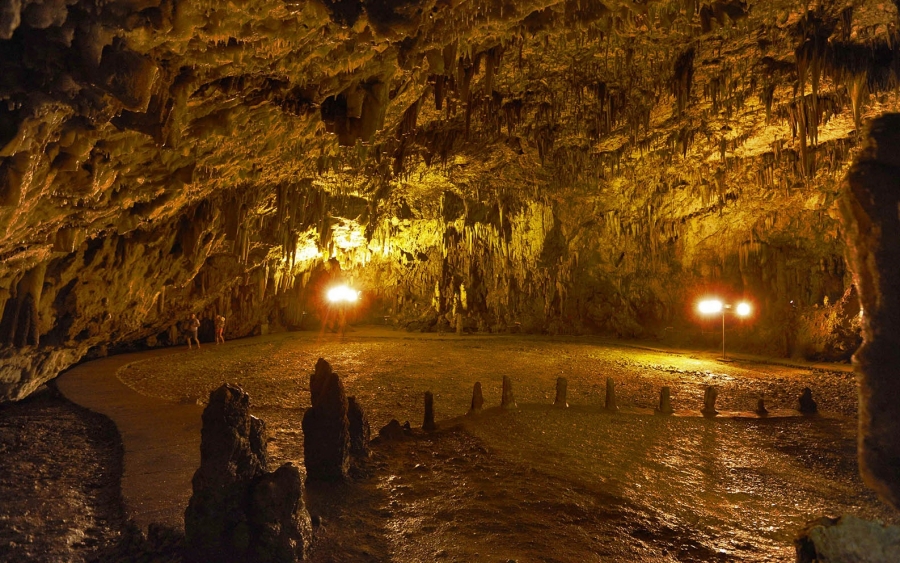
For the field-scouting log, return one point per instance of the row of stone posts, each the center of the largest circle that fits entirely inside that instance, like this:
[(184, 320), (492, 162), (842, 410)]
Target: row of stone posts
[(507, 401)]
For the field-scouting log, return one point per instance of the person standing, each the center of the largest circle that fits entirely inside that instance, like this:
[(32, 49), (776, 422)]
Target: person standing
[(193, 327), (220, 329)]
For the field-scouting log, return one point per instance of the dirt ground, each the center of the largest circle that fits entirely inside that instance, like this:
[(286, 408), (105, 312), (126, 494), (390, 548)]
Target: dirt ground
[(534, 484)]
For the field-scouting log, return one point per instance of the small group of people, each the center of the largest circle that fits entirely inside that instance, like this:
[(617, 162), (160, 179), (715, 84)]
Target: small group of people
[(193, 325)]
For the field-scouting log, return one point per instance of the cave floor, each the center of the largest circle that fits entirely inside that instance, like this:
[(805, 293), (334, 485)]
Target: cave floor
[(537, 483)]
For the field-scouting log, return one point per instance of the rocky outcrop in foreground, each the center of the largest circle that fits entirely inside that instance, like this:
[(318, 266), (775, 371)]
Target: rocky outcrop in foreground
[(869, 205), (240, 512), (326, 427)]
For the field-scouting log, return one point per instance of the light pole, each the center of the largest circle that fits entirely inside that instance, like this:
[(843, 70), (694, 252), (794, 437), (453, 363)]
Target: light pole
[(713, 306)]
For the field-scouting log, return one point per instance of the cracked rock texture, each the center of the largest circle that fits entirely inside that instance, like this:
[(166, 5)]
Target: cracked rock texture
[(538, 165)]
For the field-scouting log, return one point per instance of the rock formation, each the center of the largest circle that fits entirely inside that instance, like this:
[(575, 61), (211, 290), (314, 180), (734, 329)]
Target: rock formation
[(610, 403), (665, 401), (157, 160), (507, 398), (869, 206), (326, 428), (807, 405), (477, 399), (709, 401), (360, 432), (240, 512), (428, 424), (562, 386)]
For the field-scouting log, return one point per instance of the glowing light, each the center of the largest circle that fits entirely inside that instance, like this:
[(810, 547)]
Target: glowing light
[(342, 294), (743, 309), (710, 306)]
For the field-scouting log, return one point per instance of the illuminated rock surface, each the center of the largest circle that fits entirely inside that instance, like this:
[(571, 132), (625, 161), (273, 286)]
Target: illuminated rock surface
[(543, 165)]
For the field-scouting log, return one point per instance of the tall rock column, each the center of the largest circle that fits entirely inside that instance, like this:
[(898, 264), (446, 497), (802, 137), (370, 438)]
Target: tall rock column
[(239, 512), (870, 212), (326, 428)]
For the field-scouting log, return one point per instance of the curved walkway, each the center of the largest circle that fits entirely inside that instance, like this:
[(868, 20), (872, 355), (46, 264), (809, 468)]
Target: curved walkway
[(161, 439)]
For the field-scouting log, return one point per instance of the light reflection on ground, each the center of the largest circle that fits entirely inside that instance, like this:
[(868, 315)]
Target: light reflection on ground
[(545, 484)]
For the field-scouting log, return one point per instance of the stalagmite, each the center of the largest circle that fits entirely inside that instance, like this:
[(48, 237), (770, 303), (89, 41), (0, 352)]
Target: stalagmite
[(806, 403), (761, 407), (507, 400), (360, 431), (709, 401), (477, 399), (239, 512), (869, 209), (562, 385), (665, 402), (428, 425), (326, 428), (611, 395)]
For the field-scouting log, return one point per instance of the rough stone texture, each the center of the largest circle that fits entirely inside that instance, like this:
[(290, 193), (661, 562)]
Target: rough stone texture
[(507, 398), (157, 160), (326, 428), (360, 431), (709, 401), (428, 424), (848, 539), (477, 399), (610, 403), (806, 403), (239, 512), (870, 209), (392, 431), (562, 386), (665, 401), (761, 409)]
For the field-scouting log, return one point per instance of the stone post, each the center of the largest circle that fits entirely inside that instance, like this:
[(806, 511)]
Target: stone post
[(507, 400), (807, 404), (326, 428), (870, 216), (428, 425), (709, 401), (665, 402), (477, 399), (611, 395), (562, 385)]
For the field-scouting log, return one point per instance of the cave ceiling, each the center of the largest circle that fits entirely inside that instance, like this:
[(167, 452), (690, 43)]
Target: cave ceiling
[(527, 158)]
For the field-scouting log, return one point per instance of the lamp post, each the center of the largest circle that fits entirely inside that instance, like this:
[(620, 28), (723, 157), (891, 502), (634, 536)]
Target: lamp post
[(713, 306)]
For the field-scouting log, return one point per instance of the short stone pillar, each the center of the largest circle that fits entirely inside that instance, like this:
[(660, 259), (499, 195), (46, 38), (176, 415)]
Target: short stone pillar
[(477, 399), (459, 324), (869, 202), (326, 428), (665, 401), (709, 401), (507, 399), (611, 395), (428, 425), (807, 404), (239, 512), (360, 431), (562, 386), (761, 407)]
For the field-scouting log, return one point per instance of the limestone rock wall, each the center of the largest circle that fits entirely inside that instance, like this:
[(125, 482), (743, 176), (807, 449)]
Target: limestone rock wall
[(541, 165)]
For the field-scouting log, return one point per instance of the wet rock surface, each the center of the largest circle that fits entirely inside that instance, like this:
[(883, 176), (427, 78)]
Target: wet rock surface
[(326, 428), (622, 486), (239, 511)]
